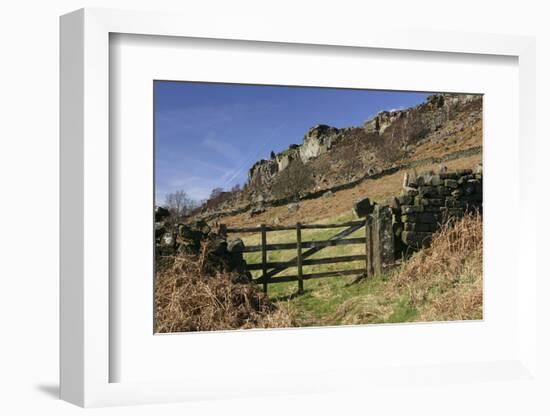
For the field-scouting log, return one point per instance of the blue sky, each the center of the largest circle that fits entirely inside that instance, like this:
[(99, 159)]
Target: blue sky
[(207, 135)]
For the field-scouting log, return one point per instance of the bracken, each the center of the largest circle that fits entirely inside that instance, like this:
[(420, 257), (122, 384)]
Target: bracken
[(444, 281), (187, 299)]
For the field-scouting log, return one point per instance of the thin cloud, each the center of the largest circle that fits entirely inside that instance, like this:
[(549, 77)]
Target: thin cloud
[(224, 148)]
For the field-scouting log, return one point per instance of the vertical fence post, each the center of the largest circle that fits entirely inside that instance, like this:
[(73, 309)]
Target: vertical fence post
[(299, 257), (368, 246), (264, 257), (222, 231)]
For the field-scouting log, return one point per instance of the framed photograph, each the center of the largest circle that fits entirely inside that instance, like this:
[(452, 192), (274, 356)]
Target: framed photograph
[(320, 211)]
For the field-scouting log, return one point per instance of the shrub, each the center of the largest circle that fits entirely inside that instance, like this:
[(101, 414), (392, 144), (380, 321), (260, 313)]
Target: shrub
[(294, 180)]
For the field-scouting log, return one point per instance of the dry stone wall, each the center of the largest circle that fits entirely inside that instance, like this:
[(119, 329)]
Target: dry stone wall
[(429, 200), (407, 223)]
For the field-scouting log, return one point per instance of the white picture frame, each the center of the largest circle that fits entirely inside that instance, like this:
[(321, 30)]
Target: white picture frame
[(86, 356)]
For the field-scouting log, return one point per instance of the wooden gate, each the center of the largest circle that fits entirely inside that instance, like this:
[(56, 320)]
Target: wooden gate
[(305, 249)]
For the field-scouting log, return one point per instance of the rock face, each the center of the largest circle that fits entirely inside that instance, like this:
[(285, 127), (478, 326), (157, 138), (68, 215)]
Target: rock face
[(318, 140), (261, 173), (390, 134)]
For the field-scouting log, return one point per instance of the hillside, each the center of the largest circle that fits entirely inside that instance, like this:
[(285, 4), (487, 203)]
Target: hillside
[(446, 128)]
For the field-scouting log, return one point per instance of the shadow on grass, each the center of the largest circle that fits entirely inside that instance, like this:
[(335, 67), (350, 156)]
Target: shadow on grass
[(294, 295)]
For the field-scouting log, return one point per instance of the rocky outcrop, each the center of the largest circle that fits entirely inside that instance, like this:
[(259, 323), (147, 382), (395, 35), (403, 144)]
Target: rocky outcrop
[(388, 135), (318, 140), (422, 119), (262, 172)]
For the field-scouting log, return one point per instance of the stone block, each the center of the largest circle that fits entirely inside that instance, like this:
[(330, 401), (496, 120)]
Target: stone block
[(416, 226), (451, 183), (428, 201), (434, 180), (452, 202), (468, 189), (448, 175), (394, 204), (405, 200), (464, 179), (397, 229), (425, 217), (362, 207), (428, 191), (433, 209), (411, 209), (443, 191), (416, 239)]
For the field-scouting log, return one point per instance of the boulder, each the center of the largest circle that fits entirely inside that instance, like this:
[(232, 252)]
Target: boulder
[(292, 208), (328, 194), (371, 170), (257, 210), (167, 240), (159, 229), (235, 246), (362, 207), (161, 214), (479, 169)]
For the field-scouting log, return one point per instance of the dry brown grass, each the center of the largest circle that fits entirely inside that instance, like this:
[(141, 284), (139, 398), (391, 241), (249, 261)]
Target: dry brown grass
[(444, 282), (186, 299)]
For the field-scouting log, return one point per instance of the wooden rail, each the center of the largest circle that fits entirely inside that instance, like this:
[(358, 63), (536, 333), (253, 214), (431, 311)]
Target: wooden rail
[(311, 247), (293, 227)]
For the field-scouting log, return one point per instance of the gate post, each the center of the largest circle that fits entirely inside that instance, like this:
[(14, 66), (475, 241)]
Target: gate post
[(383, 238), (264, 257), (222, 231), (299, 257), (368, 247)]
